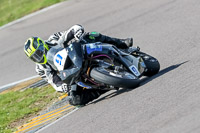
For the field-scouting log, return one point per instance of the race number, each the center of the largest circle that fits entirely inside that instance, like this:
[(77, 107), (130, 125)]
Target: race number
[(60, 59)]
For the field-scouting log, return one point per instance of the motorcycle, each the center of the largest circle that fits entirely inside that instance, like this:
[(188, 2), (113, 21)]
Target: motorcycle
[(102, 66)]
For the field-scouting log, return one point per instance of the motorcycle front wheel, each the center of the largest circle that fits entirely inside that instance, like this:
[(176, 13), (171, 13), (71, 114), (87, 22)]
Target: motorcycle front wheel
[(107, 76)]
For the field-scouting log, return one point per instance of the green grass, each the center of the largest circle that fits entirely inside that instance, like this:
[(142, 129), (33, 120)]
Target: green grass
[(15, 106), (13, 9)]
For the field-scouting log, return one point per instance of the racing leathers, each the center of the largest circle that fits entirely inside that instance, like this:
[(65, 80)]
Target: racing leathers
[(77, 95)]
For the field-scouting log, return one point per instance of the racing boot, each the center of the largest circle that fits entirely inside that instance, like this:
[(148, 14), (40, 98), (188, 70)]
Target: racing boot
[(82, 97), (128, 42)]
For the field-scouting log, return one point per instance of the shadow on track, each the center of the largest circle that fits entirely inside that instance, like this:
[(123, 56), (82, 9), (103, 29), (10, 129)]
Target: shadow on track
[(143, 82), (162, 72)]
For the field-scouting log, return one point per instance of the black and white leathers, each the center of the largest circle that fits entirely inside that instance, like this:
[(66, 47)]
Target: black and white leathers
[(60, 38)]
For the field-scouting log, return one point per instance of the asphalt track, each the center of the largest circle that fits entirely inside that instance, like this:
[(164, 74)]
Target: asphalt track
[(166, 29)]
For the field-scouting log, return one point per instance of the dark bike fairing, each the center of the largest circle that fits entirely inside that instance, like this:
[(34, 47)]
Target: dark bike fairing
[(73, 61), (87, 65)]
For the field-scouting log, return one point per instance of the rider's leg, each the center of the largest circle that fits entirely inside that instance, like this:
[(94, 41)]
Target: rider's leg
[(120, 43)]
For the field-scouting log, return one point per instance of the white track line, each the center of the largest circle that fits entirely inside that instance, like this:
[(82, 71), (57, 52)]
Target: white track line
[(17, 82), (57, 120)]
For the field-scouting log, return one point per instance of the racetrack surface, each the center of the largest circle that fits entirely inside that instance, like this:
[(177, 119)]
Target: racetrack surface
[(166, 29)]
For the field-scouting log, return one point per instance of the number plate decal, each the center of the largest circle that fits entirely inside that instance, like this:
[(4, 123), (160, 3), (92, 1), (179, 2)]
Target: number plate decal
[(135, 70), (60, 58)]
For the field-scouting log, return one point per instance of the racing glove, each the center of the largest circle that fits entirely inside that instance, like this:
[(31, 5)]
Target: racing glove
[(65, 88), (78, 35)]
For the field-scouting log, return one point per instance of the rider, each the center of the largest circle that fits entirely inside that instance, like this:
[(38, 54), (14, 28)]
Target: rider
[(36, 49)]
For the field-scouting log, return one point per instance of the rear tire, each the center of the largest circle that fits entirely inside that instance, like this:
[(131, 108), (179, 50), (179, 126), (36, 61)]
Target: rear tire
[(102, 75)]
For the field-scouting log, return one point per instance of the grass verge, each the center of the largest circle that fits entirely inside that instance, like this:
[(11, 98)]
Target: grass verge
[(14, 9), (18, 106)]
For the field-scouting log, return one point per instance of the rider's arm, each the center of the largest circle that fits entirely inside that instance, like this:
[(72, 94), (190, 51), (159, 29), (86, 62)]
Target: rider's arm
[(62, 38), (51, 77)]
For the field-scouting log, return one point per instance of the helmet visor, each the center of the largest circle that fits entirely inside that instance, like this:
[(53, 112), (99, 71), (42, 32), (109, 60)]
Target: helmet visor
[(37, 56)]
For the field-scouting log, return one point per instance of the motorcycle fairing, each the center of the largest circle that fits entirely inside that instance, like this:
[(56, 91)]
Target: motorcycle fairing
[(91, 47)]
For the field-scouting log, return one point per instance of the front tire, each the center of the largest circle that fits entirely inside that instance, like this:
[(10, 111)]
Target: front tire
[(152, 64), (108, 77)]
